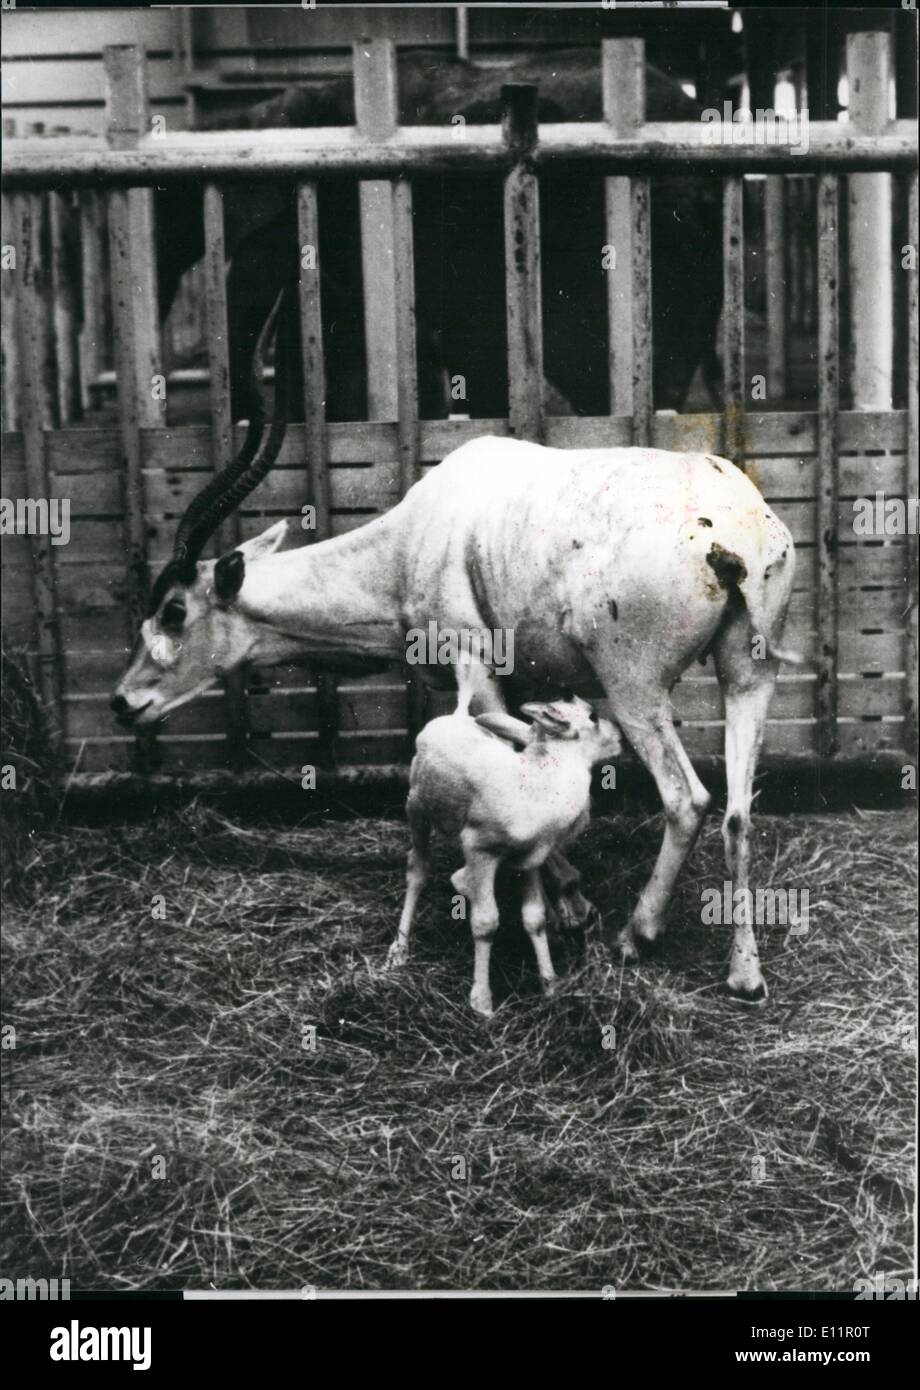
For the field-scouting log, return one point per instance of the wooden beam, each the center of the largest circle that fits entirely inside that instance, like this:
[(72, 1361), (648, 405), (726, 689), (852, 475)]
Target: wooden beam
[(31, 277), (12, 389), (315, 434), (912, 479), (775, 274), (733, 319), (623, 91), (522, 266), (64, 232), (871, 303), (132, 259), (826, 504), (679, 147), (376, 117), (407, 402), (641, 239), (236, 707)]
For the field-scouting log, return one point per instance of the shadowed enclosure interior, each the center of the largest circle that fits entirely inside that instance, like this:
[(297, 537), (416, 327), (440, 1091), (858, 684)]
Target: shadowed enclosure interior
[(74, 608)]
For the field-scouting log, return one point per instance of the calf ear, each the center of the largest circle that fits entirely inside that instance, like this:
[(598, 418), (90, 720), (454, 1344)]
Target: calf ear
[(228, 576), (549, 718), (505, 726)]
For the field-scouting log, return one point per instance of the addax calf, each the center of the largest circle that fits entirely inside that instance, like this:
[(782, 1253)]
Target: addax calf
[(506, 806)]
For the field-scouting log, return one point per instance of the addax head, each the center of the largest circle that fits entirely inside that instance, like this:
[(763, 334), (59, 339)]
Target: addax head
[(195, 632)]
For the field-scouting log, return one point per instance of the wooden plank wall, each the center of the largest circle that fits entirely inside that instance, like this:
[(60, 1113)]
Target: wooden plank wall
[(851, 697), (363, 480)]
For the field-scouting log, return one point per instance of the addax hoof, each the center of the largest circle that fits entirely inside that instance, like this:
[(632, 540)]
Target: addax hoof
[(755, 997)]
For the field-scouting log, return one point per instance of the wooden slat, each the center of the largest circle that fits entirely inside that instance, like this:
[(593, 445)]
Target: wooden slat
[(776, 433), (132, 258), (222, 452), (868, 56), (677, 147), (912, 479), (826, 508), (407, 400), (315, 432), (641, 232), (376, 113), (623, 90), (522, 266), (94, 291), (736, 444), (9, 344), (775, 251), (31, 277), (64, 231)]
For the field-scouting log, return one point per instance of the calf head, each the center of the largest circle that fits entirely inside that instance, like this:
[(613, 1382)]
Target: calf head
[(573, 718)]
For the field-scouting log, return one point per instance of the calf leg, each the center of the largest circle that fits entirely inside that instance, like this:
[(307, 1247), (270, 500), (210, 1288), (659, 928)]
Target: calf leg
[(417, 869), (477, 881), (646, 722), (533, 915), (747, 686)]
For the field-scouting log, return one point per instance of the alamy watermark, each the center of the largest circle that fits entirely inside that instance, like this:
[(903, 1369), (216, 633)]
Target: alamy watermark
[(886, 516), (36, 516), (764, 126), (446, 646), (761, 907)]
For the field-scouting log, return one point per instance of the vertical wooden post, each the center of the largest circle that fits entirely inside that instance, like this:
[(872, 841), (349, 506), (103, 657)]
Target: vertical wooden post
[(641, 236), (826, 506), (9, 344), (623, 88), (522, 266), (733, 317), (64, 232), (775, 251), (94, 282), (132, 255), (315, 440), (407, 400), (376, 114), (236, 708), (912, 478), (31, 277), (871, 306)]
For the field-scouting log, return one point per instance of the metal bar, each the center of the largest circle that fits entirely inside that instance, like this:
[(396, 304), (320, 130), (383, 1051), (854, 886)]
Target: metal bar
[(522, 266), (315, 441), (733, 319), (826, 506), (236, 705), (31, 323)]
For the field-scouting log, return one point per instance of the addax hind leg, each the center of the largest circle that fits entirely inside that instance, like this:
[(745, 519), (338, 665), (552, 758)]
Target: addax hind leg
[(747, 685), (645, 718)]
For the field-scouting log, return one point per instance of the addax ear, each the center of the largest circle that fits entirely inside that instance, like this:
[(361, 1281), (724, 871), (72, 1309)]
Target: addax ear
[(266, 543), (229, 573)]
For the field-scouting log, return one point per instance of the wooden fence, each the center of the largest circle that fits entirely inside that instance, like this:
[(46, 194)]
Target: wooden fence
[(75, 607)]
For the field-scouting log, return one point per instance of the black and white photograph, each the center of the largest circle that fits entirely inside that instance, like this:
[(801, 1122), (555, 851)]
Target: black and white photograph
[(459, 659)]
